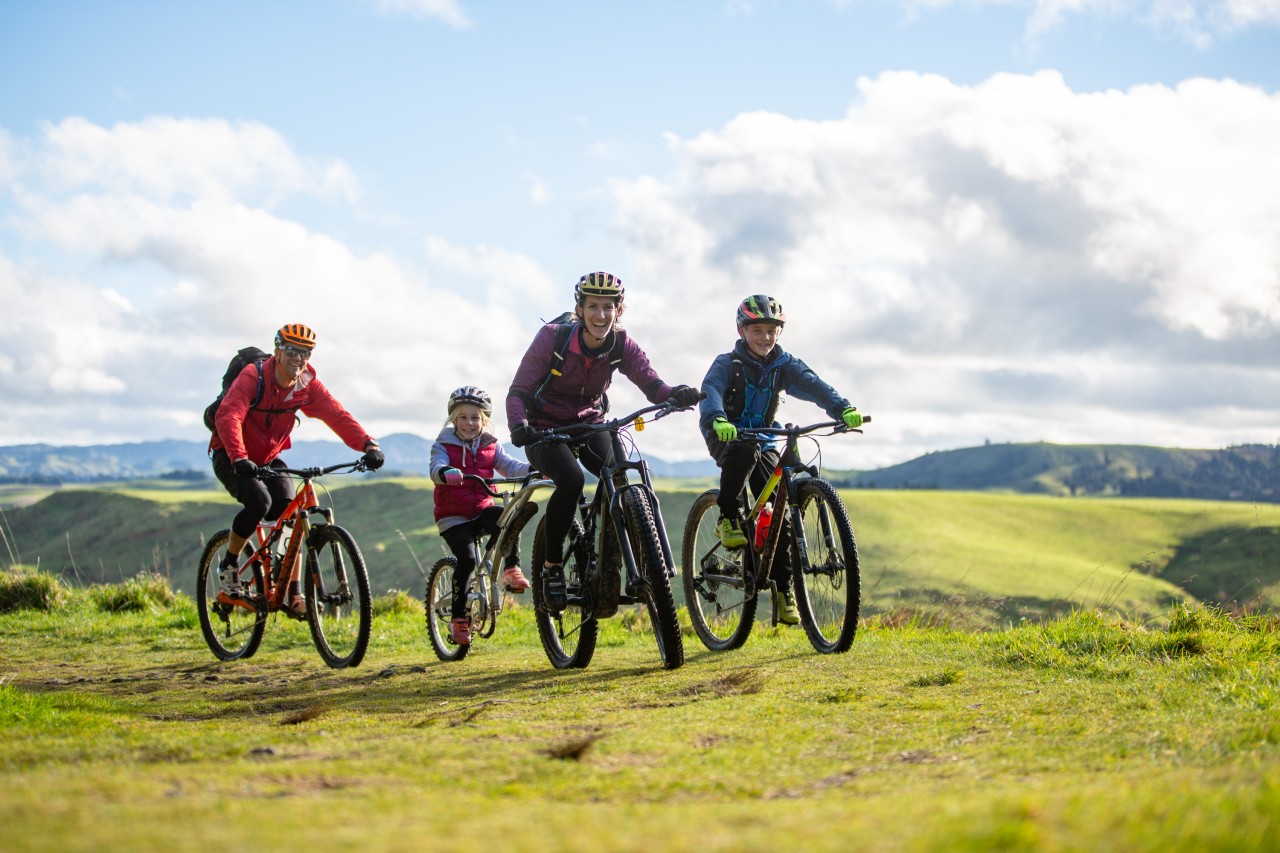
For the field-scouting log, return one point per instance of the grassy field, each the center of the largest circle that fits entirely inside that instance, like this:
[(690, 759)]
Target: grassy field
[(954, 558), (120, 731)]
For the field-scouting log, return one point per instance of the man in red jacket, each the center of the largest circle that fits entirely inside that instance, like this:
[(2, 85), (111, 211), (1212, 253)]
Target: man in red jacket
[(252, 436)]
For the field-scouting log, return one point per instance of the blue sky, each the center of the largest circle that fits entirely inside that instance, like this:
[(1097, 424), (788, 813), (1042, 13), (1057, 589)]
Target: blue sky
[(1004, 221)]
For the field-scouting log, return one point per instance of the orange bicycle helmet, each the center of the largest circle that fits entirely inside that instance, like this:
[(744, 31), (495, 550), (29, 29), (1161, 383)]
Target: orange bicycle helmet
[(296, 335), (760, 309), (598, 284)]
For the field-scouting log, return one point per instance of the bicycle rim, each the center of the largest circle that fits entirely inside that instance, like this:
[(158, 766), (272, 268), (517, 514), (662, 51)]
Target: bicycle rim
[(339, 609), (647, 547), (718, 591), (569, 637), (827, 584), (439, 610), (231, 631)]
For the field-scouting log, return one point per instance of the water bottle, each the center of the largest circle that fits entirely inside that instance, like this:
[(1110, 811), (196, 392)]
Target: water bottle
[(282, 544), (762, 525)]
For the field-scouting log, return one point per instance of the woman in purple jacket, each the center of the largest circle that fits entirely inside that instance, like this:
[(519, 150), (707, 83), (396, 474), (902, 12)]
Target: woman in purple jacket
[(554, 389)]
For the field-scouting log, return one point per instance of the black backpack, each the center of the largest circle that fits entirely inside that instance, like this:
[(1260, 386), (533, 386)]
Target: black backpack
[(566, 324), (242, 359)]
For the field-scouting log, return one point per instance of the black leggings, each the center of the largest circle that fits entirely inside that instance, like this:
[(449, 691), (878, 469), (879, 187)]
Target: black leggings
[(461, 540), (738, 461), (558, 463), (263, 499)]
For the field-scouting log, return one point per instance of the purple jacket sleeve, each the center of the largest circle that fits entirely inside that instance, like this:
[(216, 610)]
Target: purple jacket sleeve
[(533, 369)]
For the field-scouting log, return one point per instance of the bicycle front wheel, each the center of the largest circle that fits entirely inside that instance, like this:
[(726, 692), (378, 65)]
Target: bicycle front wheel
[(439, 605), (828, 586), (718, 587), (339, 609), (647, 548), (232, 630), (568, 637)]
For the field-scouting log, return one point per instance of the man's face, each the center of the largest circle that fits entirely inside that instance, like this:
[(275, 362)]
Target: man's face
[(760, 338), (292, 360)]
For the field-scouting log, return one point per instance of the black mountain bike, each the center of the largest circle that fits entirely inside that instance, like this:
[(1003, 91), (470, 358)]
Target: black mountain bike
[(617, 552), (721, 584)]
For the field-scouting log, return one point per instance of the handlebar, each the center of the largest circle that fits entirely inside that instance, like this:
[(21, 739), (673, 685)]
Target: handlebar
[(792, 429), (311, 473), (488, 484), (574, 432)]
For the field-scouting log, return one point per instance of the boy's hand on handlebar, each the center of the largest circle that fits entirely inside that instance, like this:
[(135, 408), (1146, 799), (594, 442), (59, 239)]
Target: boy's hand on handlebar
[(373, 458), (725, 431), (452, 476), (852, 419), (685, 395), (246, 469)]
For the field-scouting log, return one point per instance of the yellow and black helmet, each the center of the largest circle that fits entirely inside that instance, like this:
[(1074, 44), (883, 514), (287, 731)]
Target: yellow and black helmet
[(296, 335), (598, 284)]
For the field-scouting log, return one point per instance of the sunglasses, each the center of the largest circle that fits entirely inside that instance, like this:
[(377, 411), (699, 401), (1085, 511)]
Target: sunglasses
[(298, 352)]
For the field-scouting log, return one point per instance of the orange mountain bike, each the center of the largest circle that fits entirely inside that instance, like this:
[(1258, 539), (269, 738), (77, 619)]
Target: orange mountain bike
[(796, 514), (335, 584)]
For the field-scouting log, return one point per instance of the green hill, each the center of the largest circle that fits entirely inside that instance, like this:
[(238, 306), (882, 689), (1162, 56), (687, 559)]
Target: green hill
[(960, 557), (1249, 472)]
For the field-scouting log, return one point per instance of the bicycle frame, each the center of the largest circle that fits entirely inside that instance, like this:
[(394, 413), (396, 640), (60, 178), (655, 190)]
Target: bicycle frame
[(298, 514), (608, 496), (517, 509), (781, 487)]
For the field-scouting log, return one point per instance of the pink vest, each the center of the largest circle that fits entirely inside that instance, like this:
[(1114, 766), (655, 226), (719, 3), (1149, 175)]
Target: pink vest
[(468, 499)]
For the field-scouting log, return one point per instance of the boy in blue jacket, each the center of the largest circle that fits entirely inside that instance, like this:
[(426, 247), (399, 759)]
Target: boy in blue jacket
[(742, 389)]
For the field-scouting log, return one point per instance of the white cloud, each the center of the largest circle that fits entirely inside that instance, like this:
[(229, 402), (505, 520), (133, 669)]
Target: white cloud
[(176, 214), (1005, 253), (447, 11), (1197, 22), (166, 158)]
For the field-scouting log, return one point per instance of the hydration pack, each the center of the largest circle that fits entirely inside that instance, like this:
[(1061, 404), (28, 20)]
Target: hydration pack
[(241, 360), (565, 327)]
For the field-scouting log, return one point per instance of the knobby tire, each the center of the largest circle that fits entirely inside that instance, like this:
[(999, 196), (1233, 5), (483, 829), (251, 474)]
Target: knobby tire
[(232, 632), (568, 638), (339, 615), (647, 547), (439, 608), (722, 611), (828, 584)]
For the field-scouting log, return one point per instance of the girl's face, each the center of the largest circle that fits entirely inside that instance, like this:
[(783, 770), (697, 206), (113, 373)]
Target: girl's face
[(598, 313), (761, 338), (468, 421)]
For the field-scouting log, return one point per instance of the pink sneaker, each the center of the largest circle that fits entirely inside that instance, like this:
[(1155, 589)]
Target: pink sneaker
[(514, 579), (460, 631)]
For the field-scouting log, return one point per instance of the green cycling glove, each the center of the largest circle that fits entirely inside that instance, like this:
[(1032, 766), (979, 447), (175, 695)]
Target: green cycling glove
[(726, 431), (851, 418)]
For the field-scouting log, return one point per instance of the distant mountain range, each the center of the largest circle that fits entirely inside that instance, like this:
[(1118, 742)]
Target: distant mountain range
[(188, 460), (1243, 473)]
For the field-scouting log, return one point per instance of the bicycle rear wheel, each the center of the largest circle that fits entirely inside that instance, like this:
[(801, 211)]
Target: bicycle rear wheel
[(718, 587), (827, 582), (647, 548), (439, 606), (339, 609), (232, 630), (568, 637)]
